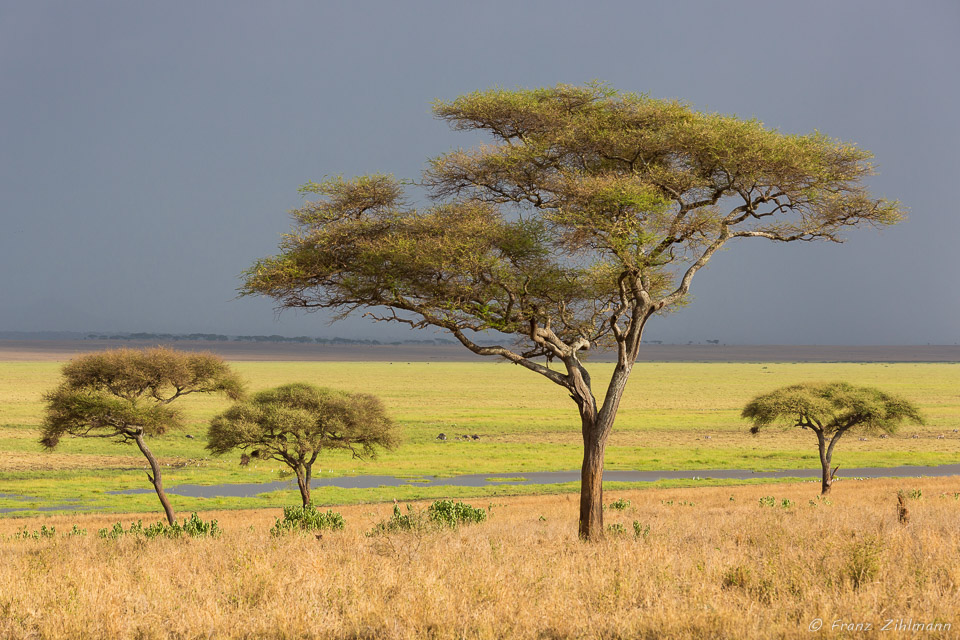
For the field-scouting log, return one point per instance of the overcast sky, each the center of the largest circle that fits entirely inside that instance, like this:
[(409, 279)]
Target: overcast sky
[(149, 152)]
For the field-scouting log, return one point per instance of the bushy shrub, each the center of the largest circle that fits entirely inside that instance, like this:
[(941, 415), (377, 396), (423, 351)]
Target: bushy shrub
[(452, 514), (619, 505), (410, 521), (442, 513), (640, 531), (193, 527), (306, 519)]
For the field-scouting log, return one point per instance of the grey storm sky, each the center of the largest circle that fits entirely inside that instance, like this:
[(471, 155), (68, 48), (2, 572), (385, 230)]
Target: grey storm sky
[(149, 151)]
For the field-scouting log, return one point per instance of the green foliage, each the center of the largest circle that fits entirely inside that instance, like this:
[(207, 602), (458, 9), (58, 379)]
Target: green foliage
[(125, 392), (439, 515), (616, 189), (45, 532), (619, 505), (159, 373), (300, 519), (640, 532), (616, 529), (301, 418), (770, 501), (42, 532), (679, 503), (193, 527), (831, 407), (452, 514), (412, 520)]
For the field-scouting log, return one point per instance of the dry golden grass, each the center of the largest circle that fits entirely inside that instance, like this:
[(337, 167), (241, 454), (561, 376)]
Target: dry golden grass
[(720, 568)]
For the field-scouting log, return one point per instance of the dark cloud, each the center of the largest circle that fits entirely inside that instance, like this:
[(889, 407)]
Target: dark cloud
[(151, 150)]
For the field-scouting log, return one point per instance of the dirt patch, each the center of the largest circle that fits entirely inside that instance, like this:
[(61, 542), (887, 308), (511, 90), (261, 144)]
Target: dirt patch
[(42, 461)]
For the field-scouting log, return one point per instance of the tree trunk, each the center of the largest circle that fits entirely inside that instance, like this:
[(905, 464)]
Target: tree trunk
[(827, 480), (825, 458), (303, 482), (591, 482), (155, 479), (596, 428)]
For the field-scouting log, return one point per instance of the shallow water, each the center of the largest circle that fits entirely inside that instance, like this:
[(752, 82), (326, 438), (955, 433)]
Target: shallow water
[(249, 490), (538, 477)]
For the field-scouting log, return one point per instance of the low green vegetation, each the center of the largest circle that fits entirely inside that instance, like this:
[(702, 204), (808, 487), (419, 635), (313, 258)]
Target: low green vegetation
[(640, 531), (666, 413), (448, 513), (770, 501), (439, 515), (619, 505), (192, 527), (43, 532), (306, 519)]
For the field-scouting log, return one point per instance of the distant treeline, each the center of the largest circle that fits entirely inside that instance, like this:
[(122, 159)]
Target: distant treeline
[(219, 337)]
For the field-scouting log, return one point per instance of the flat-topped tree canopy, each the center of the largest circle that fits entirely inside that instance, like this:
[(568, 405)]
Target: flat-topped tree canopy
[(123, 393), (587, 212), (588, 205), (831, 407)]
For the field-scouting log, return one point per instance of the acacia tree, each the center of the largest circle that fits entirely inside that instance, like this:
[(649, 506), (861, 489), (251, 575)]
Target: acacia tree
[(830, 410), (125, 395), (295, 422), (587, 213)]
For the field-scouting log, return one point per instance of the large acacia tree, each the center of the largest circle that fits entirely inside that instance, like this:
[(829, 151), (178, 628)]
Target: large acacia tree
[(829, 410), (587, 212), (125, 395)]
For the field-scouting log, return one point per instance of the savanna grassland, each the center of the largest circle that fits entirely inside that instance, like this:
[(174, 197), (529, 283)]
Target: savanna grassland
[(717, 562), (673, 416)]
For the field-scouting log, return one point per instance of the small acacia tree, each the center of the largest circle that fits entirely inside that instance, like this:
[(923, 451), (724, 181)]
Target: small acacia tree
[(125, 395), (590, 212), (295, 422), (830, 410)]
